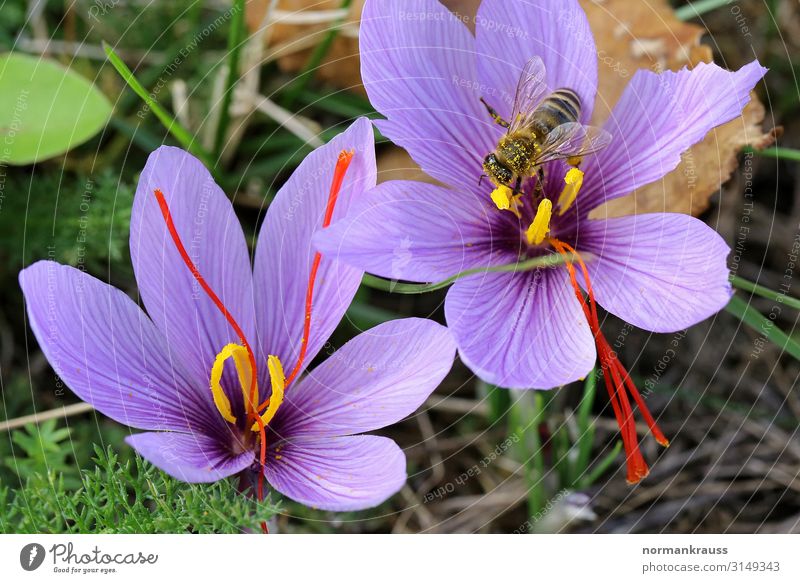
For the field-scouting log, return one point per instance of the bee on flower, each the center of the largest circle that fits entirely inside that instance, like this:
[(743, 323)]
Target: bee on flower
[(443, 91)]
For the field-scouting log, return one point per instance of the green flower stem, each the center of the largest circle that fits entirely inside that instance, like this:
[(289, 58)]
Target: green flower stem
[(235, 41), (177, 130), (421, 288), (585, 427), (760, 323), (699, 8), (536, 496), (497, 398), (524, 417), (562, 461), (764, 292)]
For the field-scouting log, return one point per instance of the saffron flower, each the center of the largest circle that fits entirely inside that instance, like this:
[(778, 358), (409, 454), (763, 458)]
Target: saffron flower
[(165, 371), (427, 74)]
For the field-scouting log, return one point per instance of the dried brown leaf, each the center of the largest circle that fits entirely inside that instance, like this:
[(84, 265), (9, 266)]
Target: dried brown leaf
[(341, 66), (647, 35)]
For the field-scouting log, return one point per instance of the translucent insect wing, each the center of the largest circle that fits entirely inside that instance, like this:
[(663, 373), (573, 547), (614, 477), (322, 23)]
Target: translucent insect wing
[(573, 139), (531, 90)]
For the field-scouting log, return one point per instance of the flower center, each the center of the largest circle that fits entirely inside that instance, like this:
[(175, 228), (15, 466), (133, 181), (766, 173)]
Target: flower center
[(617, 380), (246, 374), (509, 200)]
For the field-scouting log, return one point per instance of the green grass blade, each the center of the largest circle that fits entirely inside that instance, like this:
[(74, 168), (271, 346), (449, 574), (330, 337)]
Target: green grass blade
[(777, 153), (525, 416), (601, 468), (365, 315), (177, 130), (760, 323), (764, 292), (561, 456), (699, 8)]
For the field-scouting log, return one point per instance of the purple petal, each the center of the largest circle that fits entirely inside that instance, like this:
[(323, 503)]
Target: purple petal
[(521, 331), (418, 67), (658, 118), (109, 353), (510, 32), (417, 232), (285, 254), (376, 379), (190, 458), (660, 272), (204, 218), (337, 473)]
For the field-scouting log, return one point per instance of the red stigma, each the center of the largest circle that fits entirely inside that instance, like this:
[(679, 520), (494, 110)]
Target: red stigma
[(342, 165), (617, 380), (176, 239)]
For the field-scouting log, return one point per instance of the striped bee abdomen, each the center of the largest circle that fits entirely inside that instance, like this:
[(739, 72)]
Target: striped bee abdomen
[(560, 107)]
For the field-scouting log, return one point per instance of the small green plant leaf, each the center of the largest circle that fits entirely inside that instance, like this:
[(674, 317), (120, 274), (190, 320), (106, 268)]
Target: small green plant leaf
[(45, 109)]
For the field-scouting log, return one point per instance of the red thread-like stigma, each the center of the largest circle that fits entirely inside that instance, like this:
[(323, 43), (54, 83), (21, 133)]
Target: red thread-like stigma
[(339, 173), (616, 378), (342, 165), (176, 239)]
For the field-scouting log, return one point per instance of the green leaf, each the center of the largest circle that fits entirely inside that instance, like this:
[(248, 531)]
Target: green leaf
[(45, 109)]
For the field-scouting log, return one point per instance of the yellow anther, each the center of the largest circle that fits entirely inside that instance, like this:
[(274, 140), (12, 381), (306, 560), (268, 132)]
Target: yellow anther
[(502, 196), (541, 223), (245, 373), (573, 182), (278, 380), (505, 199)]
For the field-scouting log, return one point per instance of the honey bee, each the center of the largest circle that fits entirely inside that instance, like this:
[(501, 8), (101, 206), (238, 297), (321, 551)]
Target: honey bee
[(544, 127)]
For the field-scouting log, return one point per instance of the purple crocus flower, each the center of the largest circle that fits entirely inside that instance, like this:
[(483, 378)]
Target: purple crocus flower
[(165, 372), (426, 73)]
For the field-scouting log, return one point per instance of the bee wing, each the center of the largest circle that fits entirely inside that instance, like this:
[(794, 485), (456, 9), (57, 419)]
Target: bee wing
[(572, 139), (531, 89)]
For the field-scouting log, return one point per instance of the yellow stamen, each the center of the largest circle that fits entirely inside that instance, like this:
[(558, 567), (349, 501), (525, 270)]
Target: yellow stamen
[(242, 362), (506, 200), (502, 197), (541, 223), (573, 182), (278, 380)]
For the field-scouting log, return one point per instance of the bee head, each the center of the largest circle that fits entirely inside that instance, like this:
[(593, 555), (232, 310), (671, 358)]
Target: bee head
[(497, 171)]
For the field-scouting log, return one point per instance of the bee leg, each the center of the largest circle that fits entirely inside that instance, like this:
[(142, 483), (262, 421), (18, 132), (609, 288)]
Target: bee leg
[(540, 181), (518, 185), (495, 116)]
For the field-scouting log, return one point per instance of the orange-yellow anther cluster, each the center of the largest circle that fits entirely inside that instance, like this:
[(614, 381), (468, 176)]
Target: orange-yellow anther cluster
[(245, 373)]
